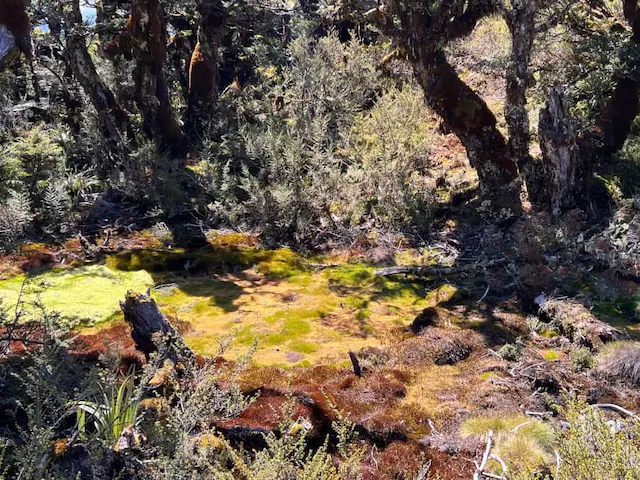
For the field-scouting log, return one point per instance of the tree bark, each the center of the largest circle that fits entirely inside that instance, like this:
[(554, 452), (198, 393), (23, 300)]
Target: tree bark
[(466, 114), (616, 118), (561, 180), (151, 330), (521, 22), (203, 69), (148, 39), (113, 121), (423, 31)]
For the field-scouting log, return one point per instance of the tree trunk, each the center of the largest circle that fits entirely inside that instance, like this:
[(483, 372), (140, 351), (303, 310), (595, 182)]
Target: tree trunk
[(148, 40), (13, 15), (151, 331), (203, 70), (112, 119), (623, 107), (561, 178), (521, 22), (466, 114)]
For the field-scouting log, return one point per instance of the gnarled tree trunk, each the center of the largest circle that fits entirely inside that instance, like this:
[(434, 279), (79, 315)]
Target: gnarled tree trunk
[(469, 117), (113, 120), (148, 40), (422, 30), (203, 69)]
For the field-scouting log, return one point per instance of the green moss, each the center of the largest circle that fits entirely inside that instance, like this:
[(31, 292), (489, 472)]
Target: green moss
[(356, 275), (550, 355), (283, 263), (246, 335), (295, 327), (356, 302), (303, 347), (549, 333), (91, 292), (273, 339), (293, 315)]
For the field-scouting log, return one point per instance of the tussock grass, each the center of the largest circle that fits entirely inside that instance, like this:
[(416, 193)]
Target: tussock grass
[(621, 361), (522, 442)]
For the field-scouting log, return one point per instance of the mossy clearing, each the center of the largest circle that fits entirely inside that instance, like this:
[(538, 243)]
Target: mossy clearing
[(297, 314)]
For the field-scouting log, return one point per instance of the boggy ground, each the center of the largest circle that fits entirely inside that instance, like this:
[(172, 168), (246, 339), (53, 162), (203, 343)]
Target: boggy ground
[(427, 346)]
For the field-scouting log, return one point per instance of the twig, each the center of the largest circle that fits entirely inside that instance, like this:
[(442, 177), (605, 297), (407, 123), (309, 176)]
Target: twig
[(618, 408), (493, 352), (322, 266), (515, 430), (424, 271), (485, 458), (502, 463), (486, 292), (539, 414)]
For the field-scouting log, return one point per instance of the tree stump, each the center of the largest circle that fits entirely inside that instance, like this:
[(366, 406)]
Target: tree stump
[(559, 181), (151, 330)]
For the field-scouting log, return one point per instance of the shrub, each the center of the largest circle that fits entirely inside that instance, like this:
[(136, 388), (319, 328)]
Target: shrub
[(621, 361), (590, 450), (511, 352), (581, 359), (346, 154), (15, 219), (35, 161)]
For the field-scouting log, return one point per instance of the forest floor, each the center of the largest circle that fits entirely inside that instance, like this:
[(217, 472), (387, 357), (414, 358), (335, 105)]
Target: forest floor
[(304, 314)]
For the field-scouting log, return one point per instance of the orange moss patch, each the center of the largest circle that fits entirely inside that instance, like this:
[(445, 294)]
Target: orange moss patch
[(115, 338)]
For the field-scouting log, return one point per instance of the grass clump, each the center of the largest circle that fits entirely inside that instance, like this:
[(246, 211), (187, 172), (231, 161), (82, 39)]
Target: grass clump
[(303, 347), (520, 441), (621, 361)]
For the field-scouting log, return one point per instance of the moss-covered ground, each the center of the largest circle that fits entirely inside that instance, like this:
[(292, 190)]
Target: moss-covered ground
[(293, 311)]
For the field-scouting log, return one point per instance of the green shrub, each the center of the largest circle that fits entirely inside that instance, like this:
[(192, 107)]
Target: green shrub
[(581, 359), (591, 450), (35, 162), (511, 352)]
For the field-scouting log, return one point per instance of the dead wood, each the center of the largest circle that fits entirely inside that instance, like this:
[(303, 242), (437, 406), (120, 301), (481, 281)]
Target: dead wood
[(151, 330), (578, 323)]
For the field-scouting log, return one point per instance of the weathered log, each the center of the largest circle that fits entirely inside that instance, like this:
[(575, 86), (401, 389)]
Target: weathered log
[(151, 330), (425, 271), (579, 324)]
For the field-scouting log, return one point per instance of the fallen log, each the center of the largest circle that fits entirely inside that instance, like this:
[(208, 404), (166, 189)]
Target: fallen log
[(426, 271), (578, 323), (151, 330)]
